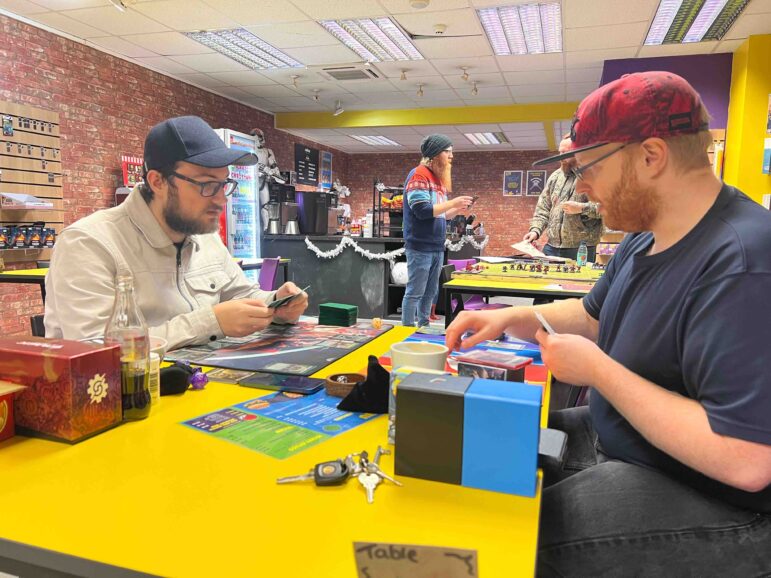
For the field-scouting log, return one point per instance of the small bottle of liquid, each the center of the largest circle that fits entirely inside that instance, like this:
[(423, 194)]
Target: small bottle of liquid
[(128, 329), (581, 255)]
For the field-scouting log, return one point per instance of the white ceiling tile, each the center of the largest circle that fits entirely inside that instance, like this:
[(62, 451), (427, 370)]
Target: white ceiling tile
[(63, 23), (454, 47), (414, 69), (556, 89), (120, 46), (480, 128), (403, 6), (755, 7), (449, 66), (294, 35), (164, 64), (749, 24), (336, 9), (184, 14), (552, 61), (233, 92), (107, 18), (429, 82), (284, 75), (336, 54), (168, 43), (70, 4), (241, 78), (201, 80), (514, 127), (578, 13), (271, 91), (677, 49), (209, 62), (603, 37), (397, 131), (458, 22), (481, 100), (486, 92), (21, 7), (591, 58), (489, 79), (250, 13), (584, 75), (585, 87), (432, 95), (534, 77), (577, 96), (729, 45), (539, 98)]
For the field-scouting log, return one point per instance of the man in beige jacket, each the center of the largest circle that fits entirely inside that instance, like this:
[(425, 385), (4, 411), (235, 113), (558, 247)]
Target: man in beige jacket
[(189, 288)]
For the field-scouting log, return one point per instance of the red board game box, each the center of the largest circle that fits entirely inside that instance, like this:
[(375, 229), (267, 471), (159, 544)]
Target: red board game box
[(497, 365), (73, 388), (6, 408)]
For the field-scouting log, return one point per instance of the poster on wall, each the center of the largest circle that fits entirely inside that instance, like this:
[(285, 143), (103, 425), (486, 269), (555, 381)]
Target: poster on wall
[(768, 117), (306, 165), (326, 170), (536, 181), (767, 156), (512, 183)]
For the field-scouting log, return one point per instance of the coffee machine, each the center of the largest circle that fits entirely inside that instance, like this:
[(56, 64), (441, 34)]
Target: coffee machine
[(274, 218), (283, 197), (313, 212)]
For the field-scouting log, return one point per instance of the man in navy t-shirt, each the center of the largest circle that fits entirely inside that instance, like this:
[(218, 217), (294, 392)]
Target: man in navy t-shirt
[(668, 471)]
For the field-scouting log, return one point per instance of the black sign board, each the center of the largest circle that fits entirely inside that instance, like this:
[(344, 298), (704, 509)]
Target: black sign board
[(306, 165)]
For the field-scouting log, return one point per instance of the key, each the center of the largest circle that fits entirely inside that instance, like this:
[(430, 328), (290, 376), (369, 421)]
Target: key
[(379, 453), (331, 473), (370, 482), (374, 466)]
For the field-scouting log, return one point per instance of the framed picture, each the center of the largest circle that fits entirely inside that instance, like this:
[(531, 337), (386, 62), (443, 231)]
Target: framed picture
[(512, 183), (536, 181)]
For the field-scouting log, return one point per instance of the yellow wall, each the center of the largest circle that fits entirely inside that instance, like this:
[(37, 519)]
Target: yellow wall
[(747, 116)]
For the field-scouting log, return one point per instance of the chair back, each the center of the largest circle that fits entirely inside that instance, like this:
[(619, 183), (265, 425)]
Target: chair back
[(37, 325), (267, 278)]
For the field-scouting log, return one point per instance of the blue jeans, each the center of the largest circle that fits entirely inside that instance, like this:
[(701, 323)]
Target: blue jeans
[(423, 269), (604, 517)]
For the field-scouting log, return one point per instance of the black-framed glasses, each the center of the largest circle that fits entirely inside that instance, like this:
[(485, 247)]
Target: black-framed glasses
[(578, 172), (211, 188)]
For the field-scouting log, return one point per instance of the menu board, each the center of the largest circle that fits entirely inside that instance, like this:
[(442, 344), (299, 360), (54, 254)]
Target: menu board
[(306, 165)]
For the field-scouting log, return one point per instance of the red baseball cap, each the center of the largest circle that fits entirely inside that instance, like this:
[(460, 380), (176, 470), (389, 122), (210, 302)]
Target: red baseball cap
[(634, 107)]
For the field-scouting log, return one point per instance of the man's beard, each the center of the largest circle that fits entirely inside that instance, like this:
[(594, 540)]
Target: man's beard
[(442, 171), (181, 224), (631, 208)]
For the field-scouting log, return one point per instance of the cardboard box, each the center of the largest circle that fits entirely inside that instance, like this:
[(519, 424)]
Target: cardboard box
[(7, 391), (497, 365), (73, 388)]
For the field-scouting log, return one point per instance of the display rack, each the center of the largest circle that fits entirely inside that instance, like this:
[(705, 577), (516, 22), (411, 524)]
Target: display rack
[(386, 221), (31, 174), (608, 244)]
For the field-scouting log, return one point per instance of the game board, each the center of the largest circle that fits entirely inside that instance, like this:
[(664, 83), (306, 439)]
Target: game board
[(520, 271), (300, 349)]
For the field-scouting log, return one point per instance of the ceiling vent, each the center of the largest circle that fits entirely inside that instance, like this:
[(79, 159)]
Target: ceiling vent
[(345, 72)]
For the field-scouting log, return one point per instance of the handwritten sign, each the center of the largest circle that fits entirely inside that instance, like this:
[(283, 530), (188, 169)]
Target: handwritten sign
[(379, 560)]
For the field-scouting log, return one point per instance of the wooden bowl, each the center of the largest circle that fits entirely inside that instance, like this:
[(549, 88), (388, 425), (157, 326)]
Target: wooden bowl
[(341, 384)]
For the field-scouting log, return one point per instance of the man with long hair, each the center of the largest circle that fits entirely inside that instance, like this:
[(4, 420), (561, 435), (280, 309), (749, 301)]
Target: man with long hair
[(426, 210)]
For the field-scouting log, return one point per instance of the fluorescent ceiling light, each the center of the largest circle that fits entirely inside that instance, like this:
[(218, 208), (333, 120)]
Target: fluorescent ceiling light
[(245, 48), (486, 138), (119, 5), (683, 21), (523, 28), (373, 39), (377, 141)]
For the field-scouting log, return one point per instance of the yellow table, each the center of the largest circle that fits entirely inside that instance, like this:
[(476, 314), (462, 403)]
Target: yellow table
[(519, 288), (157, 497), (36, 276)]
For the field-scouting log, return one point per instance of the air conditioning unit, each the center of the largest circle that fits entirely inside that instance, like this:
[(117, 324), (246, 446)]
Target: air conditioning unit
[(346, 72)]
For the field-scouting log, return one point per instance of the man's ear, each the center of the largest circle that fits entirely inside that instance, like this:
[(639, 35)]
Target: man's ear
[(157, 182), (655, 156)]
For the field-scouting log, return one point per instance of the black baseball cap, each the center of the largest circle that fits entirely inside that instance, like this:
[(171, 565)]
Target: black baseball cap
[(190, 139)]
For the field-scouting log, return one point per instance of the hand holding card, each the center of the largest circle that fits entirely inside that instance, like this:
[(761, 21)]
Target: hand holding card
[(286, 299)]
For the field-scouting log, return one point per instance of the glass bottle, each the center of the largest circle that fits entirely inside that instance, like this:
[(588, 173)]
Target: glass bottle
[(582, 253), (128, 329)]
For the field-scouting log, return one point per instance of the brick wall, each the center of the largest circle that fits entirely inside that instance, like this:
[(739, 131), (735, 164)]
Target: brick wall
[(106, 106), (474, 173)]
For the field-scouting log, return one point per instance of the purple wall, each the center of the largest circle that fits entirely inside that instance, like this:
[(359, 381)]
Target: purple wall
[(710, 75)]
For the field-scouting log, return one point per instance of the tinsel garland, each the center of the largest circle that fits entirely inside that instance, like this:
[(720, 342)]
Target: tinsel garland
[(466, 239), (391, 255), (349, 242)]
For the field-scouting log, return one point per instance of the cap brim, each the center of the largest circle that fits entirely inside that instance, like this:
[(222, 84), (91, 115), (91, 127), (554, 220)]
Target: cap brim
[(569, 154), (223, 157)]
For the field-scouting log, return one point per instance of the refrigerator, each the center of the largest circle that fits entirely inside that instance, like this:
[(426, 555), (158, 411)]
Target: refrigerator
[(240, 223)]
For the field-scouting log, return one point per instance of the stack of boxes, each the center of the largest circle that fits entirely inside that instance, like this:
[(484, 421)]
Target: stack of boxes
[(338, 314), (478, 433)]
